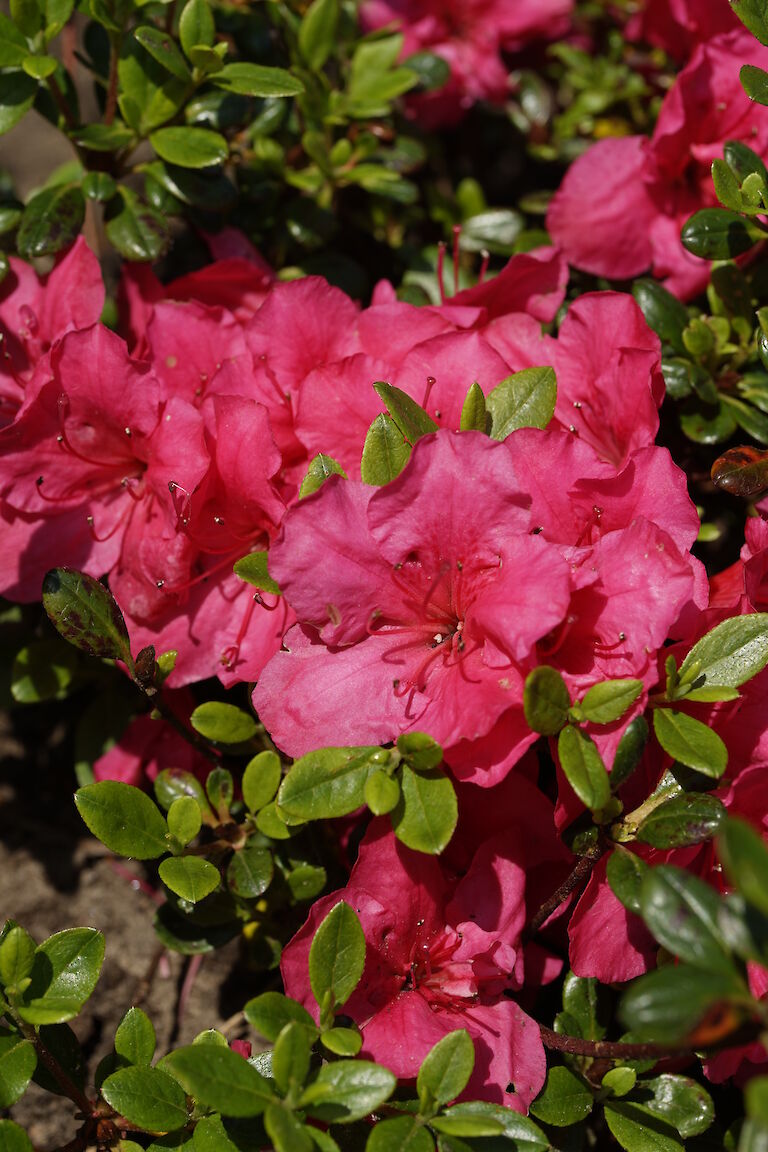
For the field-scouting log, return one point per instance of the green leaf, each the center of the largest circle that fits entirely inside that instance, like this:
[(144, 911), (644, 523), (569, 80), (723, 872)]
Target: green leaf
[(663, 312), (337, 957), (306, 881), (172, 783), (732, 653), (13, 1138), (317, 32), (347, 1090), (420, 751), (690, 742), (580, 1001), (474, 414), (135, 228), (381, 792), (13, 44), (320, 469), (190, 147), (433, 71), (717, 234), (220, 1079), (17, 95), (223, 723), (754, 81), (546, 701), (744, 161), (637, 1129), (253, 569), (566, 1098), (745, 859), (619, 1081), (290, 1057), (342, 1041), (135, 1037), (162, 48), (39, 67), (124, 818), (257, 80), (754, 14), (682, 913), (148, 1097), (525, 1136), (410, 418), (64, 974), (666, 1006), (190, 877), (184, 819), (327, 783), (18, 1061), (606, 702), (52, 221), (688, 818), (524, 400), (86, 614), (27, 16), (583, 767), (445, 1071), (285, 1131), (400, 1134), (98, 186), (270, 1012), (250, 872), (427, 812), (196, 25), (681, 1102), (17, 954), (625, 872), (385, 452), (629, 752), (727, 187), (261, 779)]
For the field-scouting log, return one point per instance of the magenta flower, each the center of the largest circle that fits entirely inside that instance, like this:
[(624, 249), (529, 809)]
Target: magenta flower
[(439, 956), (678, 26)]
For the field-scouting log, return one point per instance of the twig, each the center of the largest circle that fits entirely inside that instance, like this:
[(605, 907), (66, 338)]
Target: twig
[(61, 102), (609, 1049), (578, 876), (145, 984), (188, 734), (67, 1085), (110, 108)]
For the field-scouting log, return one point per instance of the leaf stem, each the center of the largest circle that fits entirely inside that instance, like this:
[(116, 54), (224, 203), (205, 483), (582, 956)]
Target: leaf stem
[(64, 1081), (576, 879)]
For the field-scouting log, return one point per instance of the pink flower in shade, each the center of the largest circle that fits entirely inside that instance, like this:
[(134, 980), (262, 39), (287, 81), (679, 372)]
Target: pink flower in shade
[(242, 1048), (36, 311), (439, 956), (148, 746), (436, 594), (678, 26), (622, 204), (470, 36)]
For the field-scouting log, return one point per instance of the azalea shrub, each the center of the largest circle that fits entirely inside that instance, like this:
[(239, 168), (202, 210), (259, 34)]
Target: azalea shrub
[(385, 511)]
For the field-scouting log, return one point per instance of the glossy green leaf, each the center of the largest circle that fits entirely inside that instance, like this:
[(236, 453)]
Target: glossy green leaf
[(98, 186), (184, 819), (257, 80), (667, 1006), (385, 452), (433, 71), (606, 702), (717, 234), (220, 1079), (411, 419), (64, 974), (744, 161), (190, 877), (320, 469), (682, 913), (679, 1101), (249, 873), (629, 751), (546, 701), (400, 1134), (745, 859), (420, 751), (317, 32), (18, 1061), (583, 767), (753, 13), (124, 818), (688, 818), (445, 1070), (524, 400), (17, 95), (327, 783), (754, 81), (663, 312), (196, 25), (86, 614), (162, 48), (727, 187), (637, 1129), (566, 1098), (136, 229), (261, 779), (270, 1012), (474, 414), (520, 1132), (690, 742), (190, 147), (342, 1041), (223, 723), (148, 1097), (254, 570), (381, 792), (135, 1037), (17, 954), (625, 872), (732, 652), (580, 1001), (290, 1057), (171, 783), (619, 1081), (427, 812), (337, 957), (347, 1090)]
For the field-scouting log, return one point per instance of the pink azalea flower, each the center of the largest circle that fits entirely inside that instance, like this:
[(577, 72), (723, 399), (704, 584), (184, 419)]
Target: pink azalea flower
[(429, 608), (148, 746), (678, 26), (439, 956), (622, 204)]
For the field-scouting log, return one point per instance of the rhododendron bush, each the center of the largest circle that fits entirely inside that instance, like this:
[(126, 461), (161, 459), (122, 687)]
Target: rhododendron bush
[(383, 474)]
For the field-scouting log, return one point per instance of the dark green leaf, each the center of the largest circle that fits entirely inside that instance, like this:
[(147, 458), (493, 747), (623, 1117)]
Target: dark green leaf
[(546, 701), (629, 752), (52, 221), (400, 1134), (566, 1098), (337, 957), (17, 94), (682, 913), (524, 400), (583, 768), (732, 652), (317, 32), (196, 25), (727, 187), (580, 996), (688, 818), (135, 228), (13, 44), (223, 723), (148, 1097), (744, 161), (385, 452), (285, 1131), (754, 81), (433, 72), (445, 1071), (135, 1037), (625, 872), (753, 13), (190, 147), (637, 1129), (162, 48), (745, 860), (42, 671), (99, 186), (103, 137), (250, 872), (257, 80), (681, 1102), (520, 1131), (220, 1079), (690, 742), (717, 234), (270, 1012), (668, 1005), (190, 877), (663, 312), (426, 814), (17, 1064), (124, 818), (347, 1090), (327, 783), (64, 974), (608, 701), (86, 614)]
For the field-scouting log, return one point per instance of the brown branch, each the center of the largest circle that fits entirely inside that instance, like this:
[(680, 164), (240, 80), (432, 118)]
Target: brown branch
[(609, 1049), (67, 1085), (61, 102), (110, 108), (577, 877), (189, 734)]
